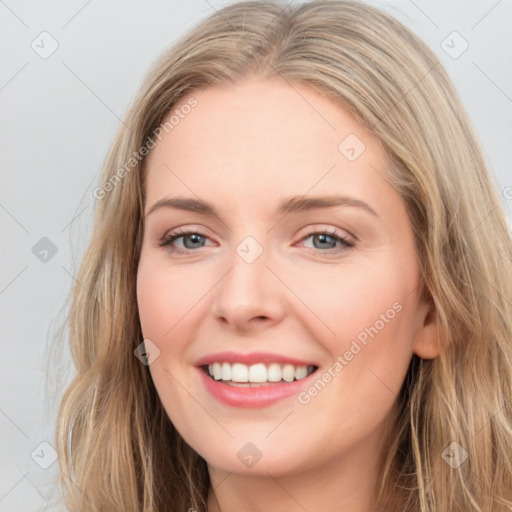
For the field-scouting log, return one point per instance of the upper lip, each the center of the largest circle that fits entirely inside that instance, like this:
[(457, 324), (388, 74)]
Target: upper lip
[(251, 358)]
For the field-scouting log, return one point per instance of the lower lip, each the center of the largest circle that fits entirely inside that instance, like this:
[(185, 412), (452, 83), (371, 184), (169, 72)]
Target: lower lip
[(241, 396)]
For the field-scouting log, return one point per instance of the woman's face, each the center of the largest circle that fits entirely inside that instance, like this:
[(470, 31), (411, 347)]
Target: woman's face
[(289, 175)]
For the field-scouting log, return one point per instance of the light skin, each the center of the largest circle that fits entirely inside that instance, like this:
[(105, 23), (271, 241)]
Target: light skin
[(243, 149)]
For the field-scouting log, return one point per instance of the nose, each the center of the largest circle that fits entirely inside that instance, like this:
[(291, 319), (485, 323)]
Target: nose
[(249, 296)]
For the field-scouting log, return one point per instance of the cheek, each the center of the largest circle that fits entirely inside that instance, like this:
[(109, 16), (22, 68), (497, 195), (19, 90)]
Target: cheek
[(164, 299), (165, 296), (153, 302), (349, 300), (371, 314)]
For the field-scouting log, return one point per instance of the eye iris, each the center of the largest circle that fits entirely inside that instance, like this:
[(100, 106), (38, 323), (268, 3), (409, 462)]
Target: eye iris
[(192, 236), (324, 238)]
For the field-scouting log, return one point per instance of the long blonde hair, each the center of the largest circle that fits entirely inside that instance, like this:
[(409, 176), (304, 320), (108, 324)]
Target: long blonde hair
[(117, 448)]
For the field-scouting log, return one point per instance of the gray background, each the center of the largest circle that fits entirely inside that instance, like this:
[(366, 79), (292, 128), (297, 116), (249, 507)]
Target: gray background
[(59, 115)]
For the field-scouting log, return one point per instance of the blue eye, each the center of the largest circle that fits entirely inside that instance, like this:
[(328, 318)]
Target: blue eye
[(194, 236), (194, 240), (331, 239)]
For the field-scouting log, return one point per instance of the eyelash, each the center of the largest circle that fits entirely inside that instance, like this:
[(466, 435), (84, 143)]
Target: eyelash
[(166, 241)]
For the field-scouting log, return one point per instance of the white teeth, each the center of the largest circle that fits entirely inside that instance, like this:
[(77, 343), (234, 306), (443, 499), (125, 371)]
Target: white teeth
[(217, 371), (288, 372), (226, 371), (239, 372), (258, 373), (301, 372), (274, 372)]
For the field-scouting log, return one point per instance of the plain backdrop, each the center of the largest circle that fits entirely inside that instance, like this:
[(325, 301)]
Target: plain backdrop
[(69, 71)]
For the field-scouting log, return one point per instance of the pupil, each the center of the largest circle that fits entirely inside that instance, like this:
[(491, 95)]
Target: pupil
[(324, 237), (192, 237)]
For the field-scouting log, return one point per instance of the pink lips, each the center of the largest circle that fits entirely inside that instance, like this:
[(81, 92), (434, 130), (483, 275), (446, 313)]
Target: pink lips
[(244, 396)]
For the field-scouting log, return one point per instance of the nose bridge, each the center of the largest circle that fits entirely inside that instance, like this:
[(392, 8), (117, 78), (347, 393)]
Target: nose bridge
[(247, 282), (249, 289)]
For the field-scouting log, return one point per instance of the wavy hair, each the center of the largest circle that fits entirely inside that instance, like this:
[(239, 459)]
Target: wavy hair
[(117, 448)]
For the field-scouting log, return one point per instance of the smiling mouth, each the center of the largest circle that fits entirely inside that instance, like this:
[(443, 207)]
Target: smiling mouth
[(257, 375)]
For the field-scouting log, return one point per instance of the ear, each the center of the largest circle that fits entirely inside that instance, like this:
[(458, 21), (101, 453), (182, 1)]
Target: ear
[(427, 343)]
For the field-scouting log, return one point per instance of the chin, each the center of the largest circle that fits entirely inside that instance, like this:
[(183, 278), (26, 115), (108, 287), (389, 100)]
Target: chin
[(256, 458)]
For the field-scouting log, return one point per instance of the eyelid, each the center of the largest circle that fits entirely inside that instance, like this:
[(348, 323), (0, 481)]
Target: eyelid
[(325, 228), (186, 229)]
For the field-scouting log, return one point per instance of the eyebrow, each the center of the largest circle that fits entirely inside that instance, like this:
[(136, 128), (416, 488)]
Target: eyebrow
[(294, 204)]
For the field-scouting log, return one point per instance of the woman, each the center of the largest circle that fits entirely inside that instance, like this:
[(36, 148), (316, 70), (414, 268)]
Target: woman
[(227, 359)]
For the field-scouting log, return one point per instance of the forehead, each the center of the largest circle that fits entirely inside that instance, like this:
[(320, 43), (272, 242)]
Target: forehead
[(260, 140)]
